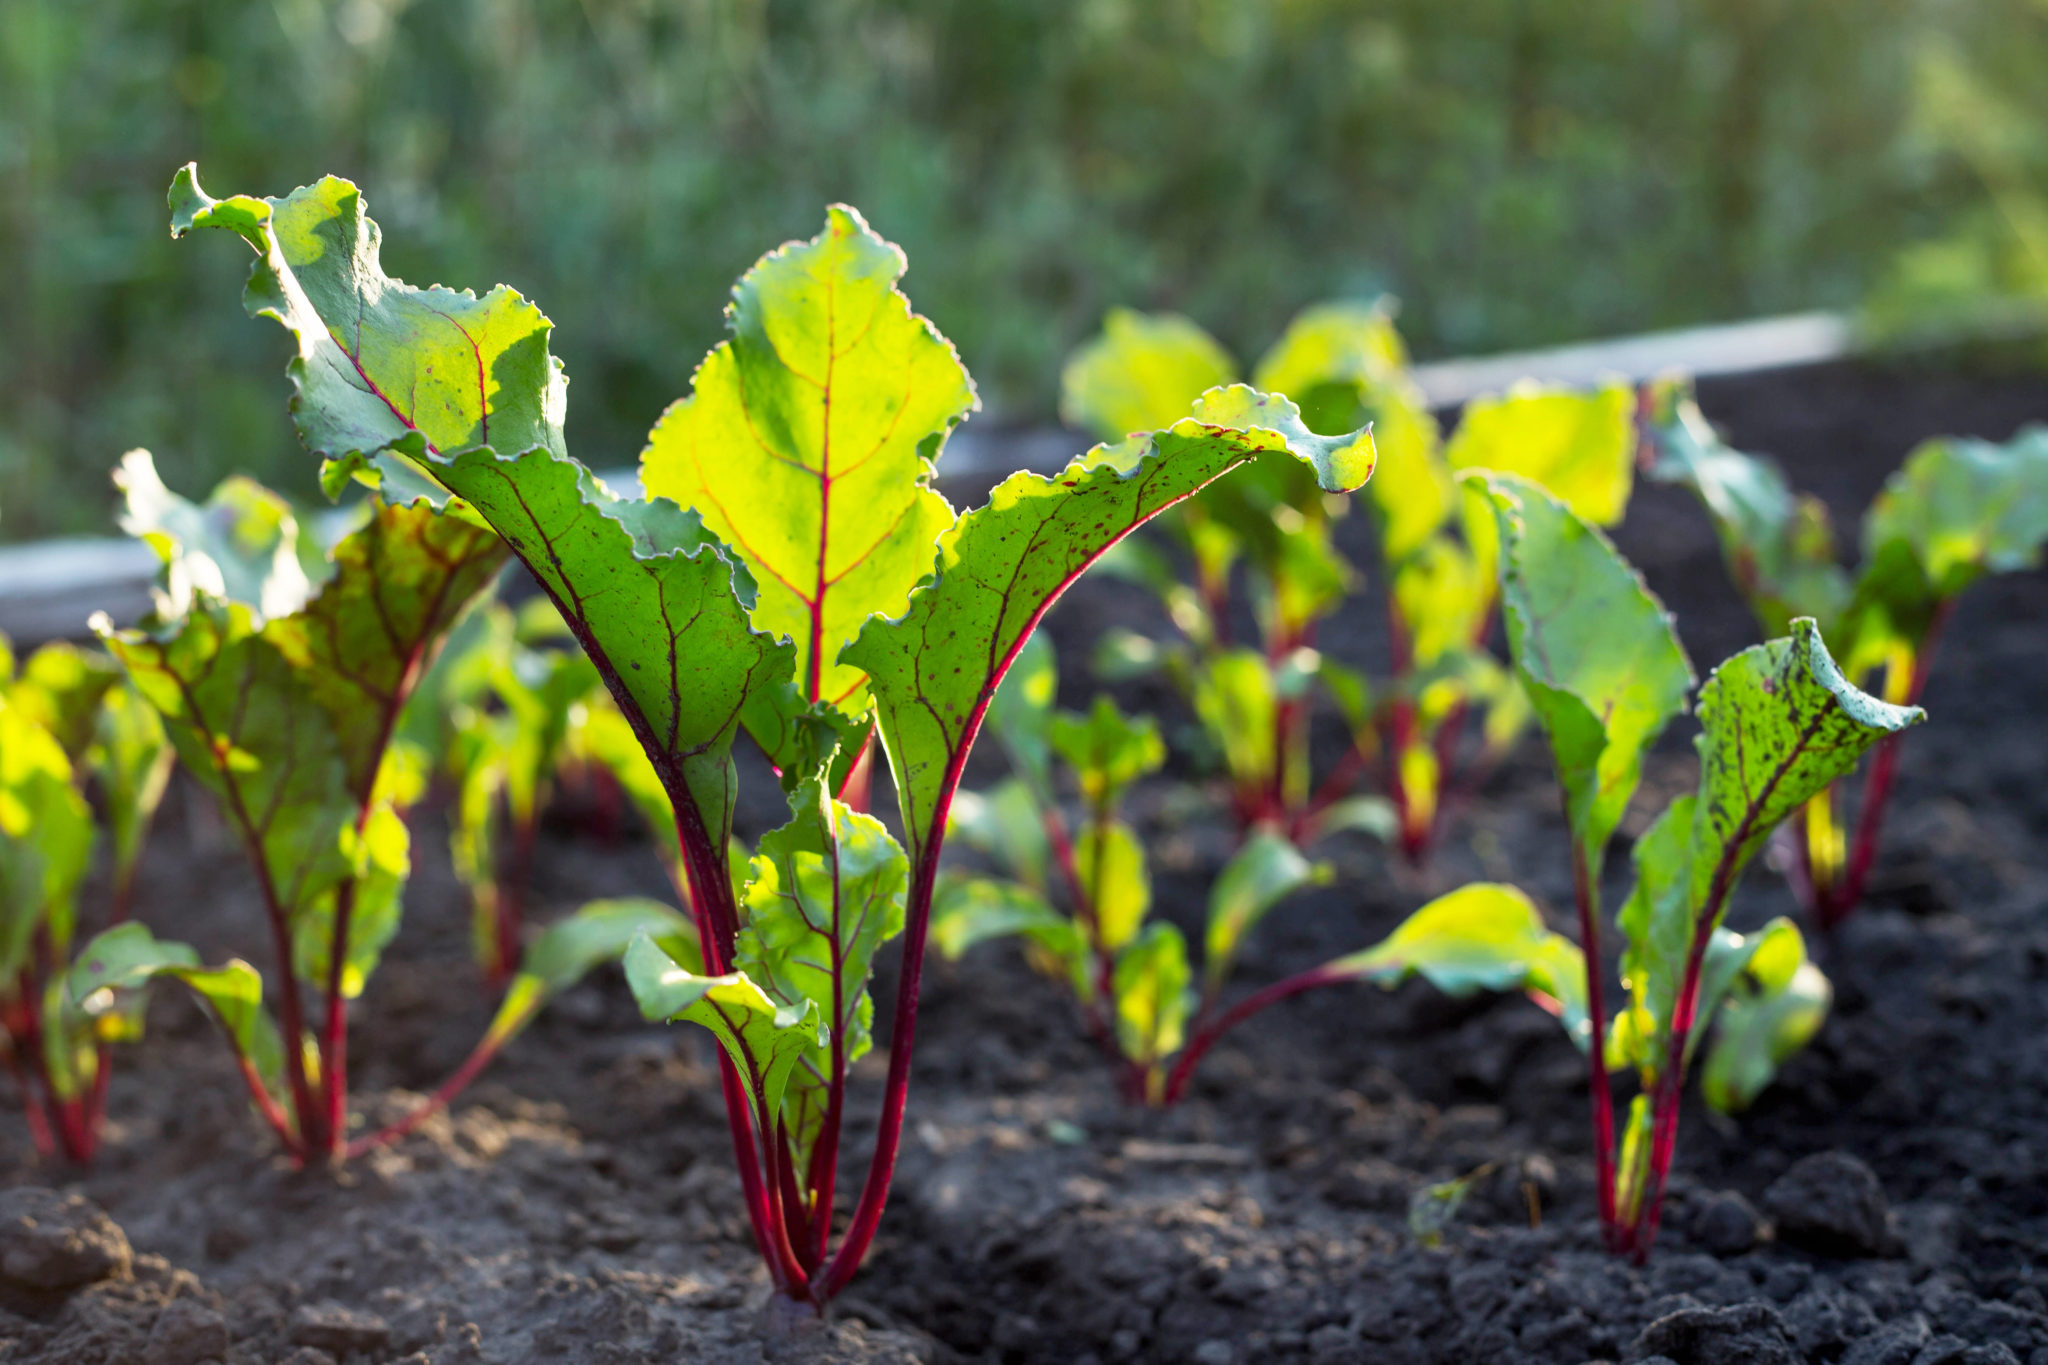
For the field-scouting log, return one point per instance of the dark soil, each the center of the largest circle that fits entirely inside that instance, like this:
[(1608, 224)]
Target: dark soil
[(581, 1205)]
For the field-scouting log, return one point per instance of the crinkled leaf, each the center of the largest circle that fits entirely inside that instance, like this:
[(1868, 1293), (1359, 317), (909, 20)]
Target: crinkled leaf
[(570, 949), (242, 543), (765, 1040), (1111, 862), (1779, 723), (808, 439), (128, 957), (1140, 374), (362, 642), (1001, 566), (1107, 749), (1596, 651), (971, 910), (1261, 874), (1483, 937), (1153, 995), (653, 601), (1778, 545), (46, 835), (828, 890), (1966, 508), (382, 366)]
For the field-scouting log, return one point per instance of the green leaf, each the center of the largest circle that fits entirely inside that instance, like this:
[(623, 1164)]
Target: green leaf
[(1235, 697), (808, 440), (1483, 937), (608, 738), (1757, 1030), (382, 366), (128, 958), (765, 1040), (1580, 447), (289, 721), (828, 890), (1007, 824), (967, 911), (1021, 713), (1262, 873), (1596, 652), (1373, 816), (242, 544), (570, 949), (1332, 356), (1111, 861), (1965, 509), (1140, 374), (1779, 723), (46, 835), (654, 602), (1153, 998), (1778, 545), (60, 687), (131, 760), (1001, 566), (1107, 750), (1441, 598)]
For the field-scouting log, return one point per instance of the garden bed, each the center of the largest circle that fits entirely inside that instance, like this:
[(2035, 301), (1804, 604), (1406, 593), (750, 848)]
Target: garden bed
[(580, 1205)]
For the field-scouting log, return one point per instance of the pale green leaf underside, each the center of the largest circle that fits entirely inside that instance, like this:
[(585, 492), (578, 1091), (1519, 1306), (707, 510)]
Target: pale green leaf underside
[(764, 1039), (1596, 651), (806, 443), (382, 364), (242, 544), (570, 949)]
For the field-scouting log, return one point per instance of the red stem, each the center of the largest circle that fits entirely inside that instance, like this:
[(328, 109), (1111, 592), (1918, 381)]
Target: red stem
[(1206, 1036), (1884, 770), (479, 1057), (1586, 894)]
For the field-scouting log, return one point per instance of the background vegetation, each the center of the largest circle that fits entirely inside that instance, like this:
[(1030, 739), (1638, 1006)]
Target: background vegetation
[(1517, 171)]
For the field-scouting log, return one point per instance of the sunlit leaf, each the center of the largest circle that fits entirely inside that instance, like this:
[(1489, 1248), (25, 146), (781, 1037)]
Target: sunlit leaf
[(1261, 874), (1142, 373)]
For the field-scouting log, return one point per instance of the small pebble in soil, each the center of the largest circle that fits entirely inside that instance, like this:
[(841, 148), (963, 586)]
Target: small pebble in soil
[(1725, 1223), (57, 1242), (1745, 1334), (1830, 1203), (186, 1332), (337, 1330)]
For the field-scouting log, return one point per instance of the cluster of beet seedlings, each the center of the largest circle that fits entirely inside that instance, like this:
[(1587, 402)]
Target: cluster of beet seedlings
[(790, 571)]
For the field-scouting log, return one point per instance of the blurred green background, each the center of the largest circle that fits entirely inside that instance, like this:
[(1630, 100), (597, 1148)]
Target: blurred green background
[(1517, 171)]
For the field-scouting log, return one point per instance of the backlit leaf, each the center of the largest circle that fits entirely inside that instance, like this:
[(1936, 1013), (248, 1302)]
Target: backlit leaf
[(765, 1040), (1107, 749), (1153, 995), (808, 440), (1596, 652), (1140, 374), (1261, 874)]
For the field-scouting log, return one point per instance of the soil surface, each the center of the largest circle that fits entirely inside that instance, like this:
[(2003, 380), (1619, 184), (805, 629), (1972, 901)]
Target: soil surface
[(1886, 1203)]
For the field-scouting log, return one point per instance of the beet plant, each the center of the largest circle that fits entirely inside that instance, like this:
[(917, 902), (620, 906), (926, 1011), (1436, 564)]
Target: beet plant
[(281, 678), (1255, 700), (791, 572), (72, 735), (518, 734), (1955, 511), (1605, 674)]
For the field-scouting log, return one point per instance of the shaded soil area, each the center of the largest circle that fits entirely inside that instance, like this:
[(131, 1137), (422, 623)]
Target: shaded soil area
[(1885, 1204)]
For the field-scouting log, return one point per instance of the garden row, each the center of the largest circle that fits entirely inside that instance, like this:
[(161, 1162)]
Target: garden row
[(792, 573)]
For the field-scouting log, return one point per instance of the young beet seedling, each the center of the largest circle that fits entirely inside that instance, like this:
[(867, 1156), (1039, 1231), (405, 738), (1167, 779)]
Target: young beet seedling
[(1345, 364), (1080, 893), (282, 691), (1954, 512), (807, 447), (1605, 674), (66, 721)]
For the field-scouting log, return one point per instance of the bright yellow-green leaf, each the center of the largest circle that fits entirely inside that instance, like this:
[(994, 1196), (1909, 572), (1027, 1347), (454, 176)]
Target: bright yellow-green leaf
[(1153, 995), (1111, 862), (1107, 749), (1261, 874), (808, 439)]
